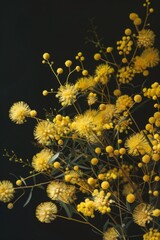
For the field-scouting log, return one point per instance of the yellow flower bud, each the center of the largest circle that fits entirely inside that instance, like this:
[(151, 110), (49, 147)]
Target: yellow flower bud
[(137, 98), (128, 31), (109, 49), (68, 63), (130, 198), (84, 72), (94, 161), (137, 21), (46, 56), (105, 185), (56, 165), (19, 182), (45, 93), (97, 56), (109, 149), (59, 70), (33, 113)]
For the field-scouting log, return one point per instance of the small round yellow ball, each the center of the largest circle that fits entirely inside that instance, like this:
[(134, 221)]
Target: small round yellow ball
[(56, 165), (137, 98), (130, 198), (97, 56), (46, 56)]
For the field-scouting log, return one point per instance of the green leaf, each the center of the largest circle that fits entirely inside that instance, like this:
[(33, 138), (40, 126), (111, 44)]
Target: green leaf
[(29, 198), (105, 225), (53, 158), (67, 208)]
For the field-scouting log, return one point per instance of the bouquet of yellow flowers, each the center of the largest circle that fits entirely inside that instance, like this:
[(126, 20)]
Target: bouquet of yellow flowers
[(95, 159)]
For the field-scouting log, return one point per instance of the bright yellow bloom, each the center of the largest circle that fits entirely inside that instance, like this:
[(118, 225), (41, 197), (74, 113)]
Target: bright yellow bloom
[(40, 160), (85, 83), (110, 234), (57, 190), (126, 74), (19, 111), (130, 198), (123, 103), (86, 208), (103, 73), (67, 94), (145, 38), (154, 90), (153, 234), (84, 125), (6, 191), (61, 125), (46, 56), (148, 59), (151, 56), (142, 214), (46, 212), (137, 144), (44, 132), (101, 201)]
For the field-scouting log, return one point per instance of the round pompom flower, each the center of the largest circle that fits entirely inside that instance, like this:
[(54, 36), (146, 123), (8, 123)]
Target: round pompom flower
[(18, 112), (57, 190), (142, 214), (146, 38), (40, 160), (6, 191), (137, 144), (110, 234), (67, 94), (44, 132), (46, 212)]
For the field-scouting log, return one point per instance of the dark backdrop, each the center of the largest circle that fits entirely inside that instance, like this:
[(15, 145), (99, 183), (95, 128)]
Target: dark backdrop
[(27, 30)]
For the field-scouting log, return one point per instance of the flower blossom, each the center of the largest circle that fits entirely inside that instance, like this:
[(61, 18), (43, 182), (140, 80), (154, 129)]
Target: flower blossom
[(46, 212), (19, 111), (6, 191)]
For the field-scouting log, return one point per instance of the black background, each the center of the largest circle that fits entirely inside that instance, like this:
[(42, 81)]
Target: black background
[(27, 30)]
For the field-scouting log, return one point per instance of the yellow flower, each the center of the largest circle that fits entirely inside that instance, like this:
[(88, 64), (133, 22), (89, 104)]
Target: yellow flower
[(85, 83), (126, 74), (92, 98), (137, 144), (86, 208), (110, 234), (46, 212), (101, 201), (148, 59), (145, 38), (103, 73), (44, 132), (107, 114), (6, 191), (84, 125), (152, 234), (61, 124), (123, 103), (130, 198), (57, 190), (67, 94), (18, 112), (140, 64), (103, 118), (40, 160), (151, 56), (142, 214)]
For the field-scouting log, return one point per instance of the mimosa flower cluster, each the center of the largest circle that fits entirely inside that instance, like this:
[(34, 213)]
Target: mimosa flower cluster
[(94, 155)]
